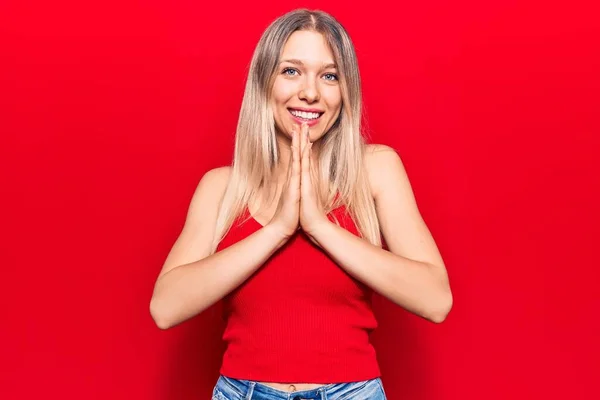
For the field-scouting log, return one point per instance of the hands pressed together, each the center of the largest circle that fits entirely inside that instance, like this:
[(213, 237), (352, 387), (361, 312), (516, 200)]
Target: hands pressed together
[(299, 205)]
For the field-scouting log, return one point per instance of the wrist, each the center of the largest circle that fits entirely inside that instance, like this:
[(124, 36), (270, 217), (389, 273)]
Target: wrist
[(276, 231), (316, 229)]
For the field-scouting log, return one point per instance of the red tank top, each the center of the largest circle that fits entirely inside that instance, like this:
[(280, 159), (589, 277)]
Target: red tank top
[(300, 317)]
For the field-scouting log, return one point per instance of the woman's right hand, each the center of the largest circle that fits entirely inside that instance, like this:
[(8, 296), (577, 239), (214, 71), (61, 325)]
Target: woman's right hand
[(287, 214)]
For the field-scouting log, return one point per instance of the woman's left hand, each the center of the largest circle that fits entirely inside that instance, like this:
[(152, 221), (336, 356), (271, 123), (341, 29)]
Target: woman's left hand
[(312, 213)]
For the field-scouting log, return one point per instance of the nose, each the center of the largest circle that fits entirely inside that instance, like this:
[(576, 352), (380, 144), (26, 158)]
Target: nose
[(309, 91)]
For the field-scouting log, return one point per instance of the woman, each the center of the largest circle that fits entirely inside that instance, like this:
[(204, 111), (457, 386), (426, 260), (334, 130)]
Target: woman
[(290, 236)]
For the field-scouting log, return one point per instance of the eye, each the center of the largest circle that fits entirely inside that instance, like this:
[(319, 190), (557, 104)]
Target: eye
[(331, 77), (289, 71)]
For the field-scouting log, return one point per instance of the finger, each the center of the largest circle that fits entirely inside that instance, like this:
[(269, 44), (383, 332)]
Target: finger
[(302, 144), (291, 158), (295, 166), (305, 161), (304, 137), (306, 178)]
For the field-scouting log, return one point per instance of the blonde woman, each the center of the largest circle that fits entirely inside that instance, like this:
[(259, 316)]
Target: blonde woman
[(290, 236)]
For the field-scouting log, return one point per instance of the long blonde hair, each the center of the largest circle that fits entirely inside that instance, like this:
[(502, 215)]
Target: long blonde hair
[(342, 148)]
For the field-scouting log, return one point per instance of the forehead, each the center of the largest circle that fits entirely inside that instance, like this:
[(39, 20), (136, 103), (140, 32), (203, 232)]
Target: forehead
[(309, 47)]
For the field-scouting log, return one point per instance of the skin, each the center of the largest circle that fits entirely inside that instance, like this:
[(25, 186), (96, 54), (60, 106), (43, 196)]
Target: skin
[(411, 273), (306, 78)]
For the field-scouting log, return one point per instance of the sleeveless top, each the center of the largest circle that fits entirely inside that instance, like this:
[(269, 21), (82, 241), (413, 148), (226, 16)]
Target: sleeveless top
[(300, 317)]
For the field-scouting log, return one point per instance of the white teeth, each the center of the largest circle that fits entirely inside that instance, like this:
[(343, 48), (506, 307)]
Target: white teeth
[(305, 115)]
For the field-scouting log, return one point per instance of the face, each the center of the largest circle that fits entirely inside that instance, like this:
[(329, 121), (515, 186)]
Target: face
[(306, 86)]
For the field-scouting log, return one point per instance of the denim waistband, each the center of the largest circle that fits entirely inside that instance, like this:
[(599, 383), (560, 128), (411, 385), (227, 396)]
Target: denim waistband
[(239, 389)]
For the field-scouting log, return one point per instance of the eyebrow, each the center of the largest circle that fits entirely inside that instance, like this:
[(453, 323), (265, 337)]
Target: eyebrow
[(299, 62)]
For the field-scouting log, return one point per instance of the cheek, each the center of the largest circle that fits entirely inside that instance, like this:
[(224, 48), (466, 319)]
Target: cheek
[(333, 100), (282, 92)]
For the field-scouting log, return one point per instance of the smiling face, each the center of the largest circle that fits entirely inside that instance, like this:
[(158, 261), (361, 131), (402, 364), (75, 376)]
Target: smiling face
[(306, 86)]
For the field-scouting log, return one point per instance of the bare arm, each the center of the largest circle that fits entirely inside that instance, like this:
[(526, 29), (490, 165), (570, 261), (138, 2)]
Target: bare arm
[(412, 274), (191, 280)]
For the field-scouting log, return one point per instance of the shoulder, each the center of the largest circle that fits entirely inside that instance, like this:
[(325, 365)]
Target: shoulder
[(383, 164), (212, 185), (219, 175), (375, 150)]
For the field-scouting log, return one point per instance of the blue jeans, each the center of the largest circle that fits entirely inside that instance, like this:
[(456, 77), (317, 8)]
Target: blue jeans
[(237, 389)]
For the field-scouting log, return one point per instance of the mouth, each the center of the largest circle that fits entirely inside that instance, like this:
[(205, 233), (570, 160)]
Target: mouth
[(310, 117)]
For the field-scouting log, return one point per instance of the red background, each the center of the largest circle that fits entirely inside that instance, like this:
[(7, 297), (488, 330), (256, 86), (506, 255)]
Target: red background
[(111, 113)]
